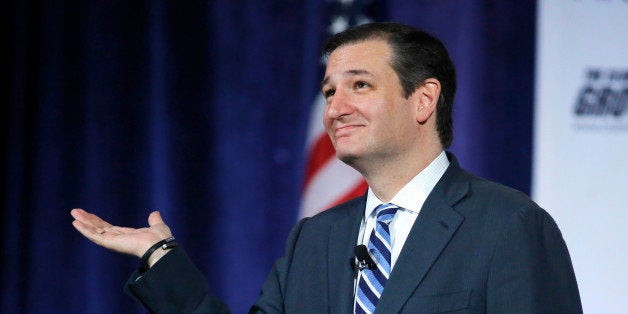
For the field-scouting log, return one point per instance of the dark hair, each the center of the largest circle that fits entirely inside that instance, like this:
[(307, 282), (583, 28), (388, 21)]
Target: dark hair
[(416, 56)]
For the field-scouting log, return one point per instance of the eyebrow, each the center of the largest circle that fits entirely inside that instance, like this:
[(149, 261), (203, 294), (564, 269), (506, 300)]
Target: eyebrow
[(350, 73)]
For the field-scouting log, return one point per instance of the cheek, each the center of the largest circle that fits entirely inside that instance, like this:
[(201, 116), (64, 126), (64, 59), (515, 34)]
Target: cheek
[(327, 121)]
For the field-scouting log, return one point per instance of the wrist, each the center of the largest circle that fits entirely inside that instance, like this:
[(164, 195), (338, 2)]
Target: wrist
[(155, 252), (156, 256)]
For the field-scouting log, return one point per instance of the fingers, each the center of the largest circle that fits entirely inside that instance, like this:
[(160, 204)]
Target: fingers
[(90, 226), (89, 219), (158, 226), (88, 231), (154, 219)]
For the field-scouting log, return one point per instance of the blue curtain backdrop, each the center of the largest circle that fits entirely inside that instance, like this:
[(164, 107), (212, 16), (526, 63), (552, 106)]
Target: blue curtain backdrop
[(199, 110)]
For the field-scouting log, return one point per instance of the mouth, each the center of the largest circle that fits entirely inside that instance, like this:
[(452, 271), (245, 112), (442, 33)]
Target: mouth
[(345, 130)]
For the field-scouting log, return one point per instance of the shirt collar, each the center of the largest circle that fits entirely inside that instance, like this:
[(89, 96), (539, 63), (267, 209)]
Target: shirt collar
[(415, 192)]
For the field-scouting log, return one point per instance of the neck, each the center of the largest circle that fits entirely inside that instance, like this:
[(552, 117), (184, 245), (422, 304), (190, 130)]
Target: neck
[(386, 178)]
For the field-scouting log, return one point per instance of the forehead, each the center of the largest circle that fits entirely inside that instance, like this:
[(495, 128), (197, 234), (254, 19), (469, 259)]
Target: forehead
[(370, 55)]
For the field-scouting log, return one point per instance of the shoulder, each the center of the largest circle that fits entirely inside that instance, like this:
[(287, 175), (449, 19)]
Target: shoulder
[(506, 209), (317, 227), (349, 208), (492, 203), (496, 193), (468, 192)]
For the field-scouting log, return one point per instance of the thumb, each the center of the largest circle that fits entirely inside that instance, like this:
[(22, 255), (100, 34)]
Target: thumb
[(154, 219)]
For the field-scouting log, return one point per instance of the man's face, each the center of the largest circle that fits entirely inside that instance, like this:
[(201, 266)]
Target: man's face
[(367, 117)]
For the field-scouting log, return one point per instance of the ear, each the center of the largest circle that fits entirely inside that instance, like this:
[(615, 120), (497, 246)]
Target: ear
[(427, 94)]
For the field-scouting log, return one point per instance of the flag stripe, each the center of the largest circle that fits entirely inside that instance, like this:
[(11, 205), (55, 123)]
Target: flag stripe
[(330, 185), (329, 182), (358, 190), (322, 152)]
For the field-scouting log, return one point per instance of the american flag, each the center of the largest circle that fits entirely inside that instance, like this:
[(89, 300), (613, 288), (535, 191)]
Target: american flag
[(328, 181)]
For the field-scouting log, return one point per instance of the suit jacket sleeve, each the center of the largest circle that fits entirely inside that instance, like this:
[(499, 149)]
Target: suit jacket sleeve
[(175, 285), (531, 271)]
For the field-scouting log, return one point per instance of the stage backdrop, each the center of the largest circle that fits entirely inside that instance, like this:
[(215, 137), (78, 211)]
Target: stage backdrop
[(200, 110), (581, 140)]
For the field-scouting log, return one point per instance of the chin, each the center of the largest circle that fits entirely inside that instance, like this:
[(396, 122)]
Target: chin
[(347, 158)]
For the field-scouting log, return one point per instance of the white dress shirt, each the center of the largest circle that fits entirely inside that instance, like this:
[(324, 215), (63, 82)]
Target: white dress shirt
[(410, 199)]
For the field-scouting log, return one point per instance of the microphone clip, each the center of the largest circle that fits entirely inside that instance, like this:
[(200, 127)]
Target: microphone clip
[(363, 258)]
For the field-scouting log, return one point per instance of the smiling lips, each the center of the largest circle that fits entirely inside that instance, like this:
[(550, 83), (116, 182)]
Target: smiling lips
[(345, 130)]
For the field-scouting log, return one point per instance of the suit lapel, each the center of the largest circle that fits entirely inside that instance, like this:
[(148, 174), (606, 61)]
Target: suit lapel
[(340, 252), (433, 229)]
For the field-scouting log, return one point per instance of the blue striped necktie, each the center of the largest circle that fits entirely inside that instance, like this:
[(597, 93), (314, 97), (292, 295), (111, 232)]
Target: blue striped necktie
[(372, 281)]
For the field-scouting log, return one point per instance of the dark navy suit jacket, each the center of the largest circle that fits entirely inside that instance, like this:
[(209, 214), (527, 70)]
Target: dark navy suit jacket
[(476, 247)]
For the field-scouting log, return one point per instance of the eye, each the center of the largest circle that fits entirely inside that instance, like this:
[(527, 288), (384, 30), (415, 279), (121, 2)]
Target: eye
[(329, 92), (360, 84)]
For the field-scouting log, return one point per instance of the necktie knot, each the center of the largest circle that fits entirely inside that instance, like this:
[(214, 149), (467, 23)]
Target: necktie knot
[(386, 212)]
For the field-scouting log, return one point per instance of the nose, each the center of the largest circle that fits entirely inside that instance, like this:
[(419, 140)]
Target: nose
[(339, 105)]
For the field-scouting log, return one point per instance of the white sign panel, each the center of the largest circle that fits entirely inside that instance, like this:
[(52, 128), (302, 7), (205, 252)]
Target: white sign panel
[(580, 172)]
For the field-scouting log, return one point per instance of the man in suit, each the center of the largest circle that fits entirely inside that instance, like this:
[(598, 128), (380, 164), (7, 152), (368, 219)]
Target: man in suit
[(439, 239)]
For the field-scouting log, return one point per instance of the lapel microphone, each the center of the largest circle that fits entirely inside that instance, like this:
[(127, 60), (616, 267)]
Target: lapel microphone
[(363, 259)]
